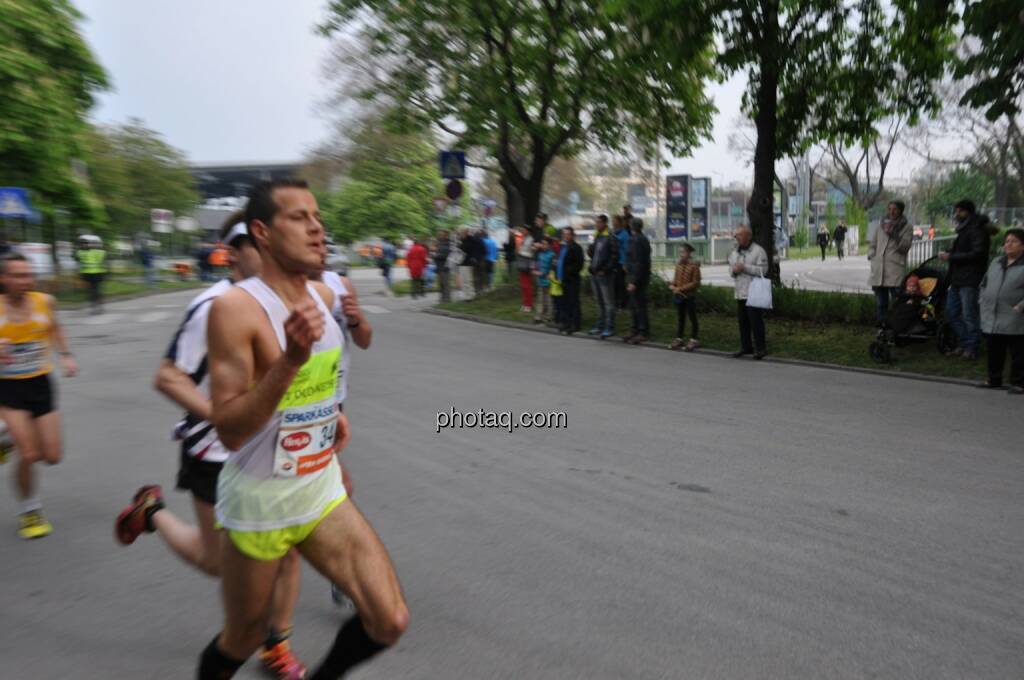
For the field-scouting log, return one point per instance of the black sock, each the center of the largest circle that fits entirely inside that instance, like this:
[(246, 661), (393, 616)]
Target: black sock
[(215, 665), (351, 647), (275, 636)]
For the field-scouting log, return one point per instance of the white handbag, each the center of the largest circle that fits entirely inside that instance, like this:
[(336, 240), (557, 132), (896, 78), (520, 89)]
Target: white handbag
[(760, 293)]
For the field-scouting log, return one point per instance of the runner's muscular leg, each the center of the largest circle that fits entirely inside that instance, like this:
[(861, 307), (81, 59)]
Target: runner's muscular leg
[(48, 429), (197, 545), (346, 550), (22, 432), (286, 591), (248, 589)]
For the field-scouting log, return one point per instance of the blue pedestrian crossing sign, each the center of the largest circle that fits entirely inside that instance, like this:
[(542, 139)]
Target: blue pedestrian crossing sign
[(14, 202), (453, 165)]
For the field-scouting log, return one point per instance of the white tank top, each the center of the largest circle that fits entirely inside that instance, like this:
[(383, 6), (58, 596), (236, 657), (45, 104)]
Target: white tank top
[(337, 286), (287, 473)]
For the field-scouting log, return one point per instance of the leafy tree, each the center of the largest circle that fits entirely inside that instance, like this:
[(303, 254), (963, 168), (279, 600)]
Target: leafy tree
[(961, 183), (817, 69), (995, 66), (49, 79), (133, 170), (525, 82), (386, 181)]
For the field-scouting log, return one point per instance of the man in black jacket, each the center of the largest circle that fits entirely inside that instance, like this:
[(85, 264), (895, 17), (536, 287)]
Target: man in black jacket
[(604, 258), (568, 268), (638, 277), (968, 262), (440, 257)]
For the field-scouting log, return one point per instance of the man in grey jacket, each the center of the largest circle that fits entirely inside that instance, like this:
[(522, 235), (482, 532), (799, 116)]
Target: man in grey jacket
[(746, 261)]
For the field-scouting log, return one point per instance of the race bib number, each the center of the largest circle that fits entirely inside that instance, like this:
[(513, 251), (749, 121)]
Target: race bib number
[(309, 418), (23, 358)]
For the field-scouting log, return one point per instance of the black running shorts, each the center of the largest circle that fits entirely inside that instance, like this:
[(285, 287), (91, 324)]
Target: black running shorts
[(199, 477), (35, 395)]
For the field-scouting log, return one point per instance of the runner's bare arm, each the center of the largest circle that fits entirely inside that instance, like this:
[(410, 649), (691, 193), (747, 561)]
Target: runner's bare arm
[(362, 334), (60, 341), (241, 405), (177, 386)]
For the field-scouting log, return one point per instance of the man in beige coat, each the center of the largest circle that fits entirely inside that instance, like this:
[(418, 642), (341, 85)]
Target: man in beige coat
[(888, 255)]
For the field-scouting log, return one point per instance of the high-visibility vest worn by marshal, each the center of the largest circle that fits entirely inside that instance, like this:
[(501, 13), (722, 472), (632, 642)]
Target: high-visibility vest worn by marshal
[(91, 261), (287, 473), (29, 348)]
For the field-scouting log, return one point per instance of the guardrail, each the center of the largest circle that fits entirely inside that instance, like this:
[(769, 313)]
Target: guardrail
[(706, 251)]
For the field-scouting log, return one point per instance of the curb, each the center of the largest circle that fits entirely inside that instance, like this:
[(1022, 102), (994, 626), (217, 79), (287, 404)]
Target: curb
[(920, 377)]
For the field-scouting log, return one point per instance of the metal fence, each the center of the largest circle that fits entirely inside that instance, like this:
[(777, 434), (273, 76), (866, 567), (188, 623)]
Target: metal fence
[(707, 251), (926, 249)]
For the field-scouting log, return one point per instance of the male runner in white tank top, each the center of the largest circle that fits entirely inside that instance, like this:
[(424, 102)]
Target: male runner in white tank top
[(273, 367)]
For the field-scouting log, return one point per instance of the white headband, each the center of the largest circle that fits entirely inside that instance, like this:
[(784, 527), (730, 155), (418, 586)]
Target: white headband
[(238, 230)]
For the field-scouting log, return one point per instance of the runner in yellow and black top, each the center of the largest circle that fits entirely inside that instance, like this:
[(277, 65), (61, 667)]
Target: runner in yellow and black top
[(28, 333)]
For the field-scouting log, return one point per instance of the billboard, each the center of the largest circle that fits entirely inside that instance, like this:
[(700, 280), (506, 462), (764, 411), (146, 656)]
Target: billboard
[(677, 212), (700, 190)]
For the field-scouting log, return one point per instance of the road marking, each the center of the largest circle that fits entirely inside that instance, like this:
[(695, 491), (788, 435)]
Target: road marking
[(374, 309)]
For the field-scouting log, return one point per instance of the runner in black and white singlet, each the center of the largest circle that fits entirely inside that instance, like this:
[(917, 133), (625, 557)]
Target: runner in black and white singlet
[(274, 357), (184, 379)]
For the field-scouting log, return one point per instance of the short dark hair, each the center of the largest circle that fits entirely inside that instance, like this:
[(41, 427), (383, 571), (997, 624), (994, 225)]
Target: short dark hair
[(637, 225), (570, 230), (965, 205), (687, 247), (899, 204), (1016, 232), (261, 204), (603, 218), (11, 257)]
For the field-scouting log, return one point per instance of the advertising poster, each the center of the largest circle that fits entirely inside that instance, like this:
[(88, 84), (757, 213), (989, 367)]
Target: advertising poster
[(699, 190), (676, 207)]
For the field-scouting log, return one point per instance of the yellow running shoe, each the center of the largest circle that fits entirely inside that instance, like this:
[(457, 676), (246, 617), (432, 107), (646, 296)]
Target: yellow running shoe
[(34, 525)]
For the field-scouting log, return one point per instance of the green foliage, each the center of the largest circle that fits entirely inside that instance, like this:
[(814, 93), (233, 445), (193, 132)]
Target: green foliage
[(391, 181), (49, 79), (996, 68), (133, 170), (856, 216), (526, 83), (960, 184)]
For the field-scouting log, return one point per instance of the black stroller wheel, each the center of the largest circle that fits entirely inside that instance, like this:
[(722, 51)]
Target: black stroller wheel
[(880, 352), (945, 339)]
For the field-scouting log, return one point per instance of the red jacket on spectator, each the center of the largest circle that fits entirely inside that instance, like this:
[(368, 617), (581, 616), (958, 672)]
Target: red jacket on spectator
[(416, 258)]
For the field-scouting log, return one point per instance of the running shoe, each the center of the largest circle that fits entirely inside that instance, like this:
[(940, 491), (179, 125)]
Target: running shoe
[(135, 519), (33, 525), (280, 661)]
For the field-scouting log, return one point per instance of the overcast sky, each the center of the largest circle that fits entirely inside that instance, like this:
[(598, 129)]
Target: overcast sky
[(239, 80)]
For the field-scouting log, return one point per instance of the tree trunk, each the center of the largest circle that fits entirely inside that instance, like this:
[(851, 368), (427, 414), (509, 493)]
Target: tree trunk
[(761, 206), (513, 204)]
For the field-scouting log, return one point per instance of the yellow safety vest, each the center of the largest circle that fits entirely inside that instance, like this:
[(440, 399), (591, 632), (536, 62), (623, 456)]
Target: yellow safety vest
[(92, 261)]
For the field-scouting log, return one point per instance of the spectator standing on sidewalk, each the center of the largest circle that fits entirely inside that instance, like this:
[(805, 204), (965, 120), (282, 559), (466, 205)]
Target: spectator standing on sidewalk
[(479, 247), (1002, 313), (467, 264), (545, 262), (492, 259), (887, 252), (746, 261), (638, 278), (684, 290), (416, 259), (968, 262), (442, 251), (620, 230), (604, 258), (524, 265), (570, 264), (510, 255), (840, 239)]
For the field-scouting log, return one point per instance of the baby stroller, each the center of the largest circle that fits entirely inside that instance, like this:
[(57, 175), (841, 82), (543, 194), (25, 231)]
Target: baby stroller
[(917, 318)]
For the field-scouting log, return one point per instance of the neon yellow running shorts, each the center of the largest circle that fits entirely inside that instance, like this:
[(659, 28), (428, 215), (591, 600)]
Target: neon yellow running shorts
[(274, 544)]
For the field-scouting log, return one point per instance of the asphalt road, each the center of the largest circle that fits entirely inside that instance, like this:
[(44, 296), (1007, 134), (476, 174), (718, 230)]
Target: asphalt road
[(699, 517)]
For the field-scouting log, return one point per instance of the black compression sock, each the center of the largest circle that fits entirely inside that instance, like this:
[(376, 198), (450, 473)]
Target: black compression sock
[(215, 665), (351, 647)]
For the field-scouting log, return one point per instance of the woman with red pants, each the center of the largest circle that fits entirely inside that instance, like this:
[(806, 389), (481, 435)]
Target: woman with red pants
[(524, 265)]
